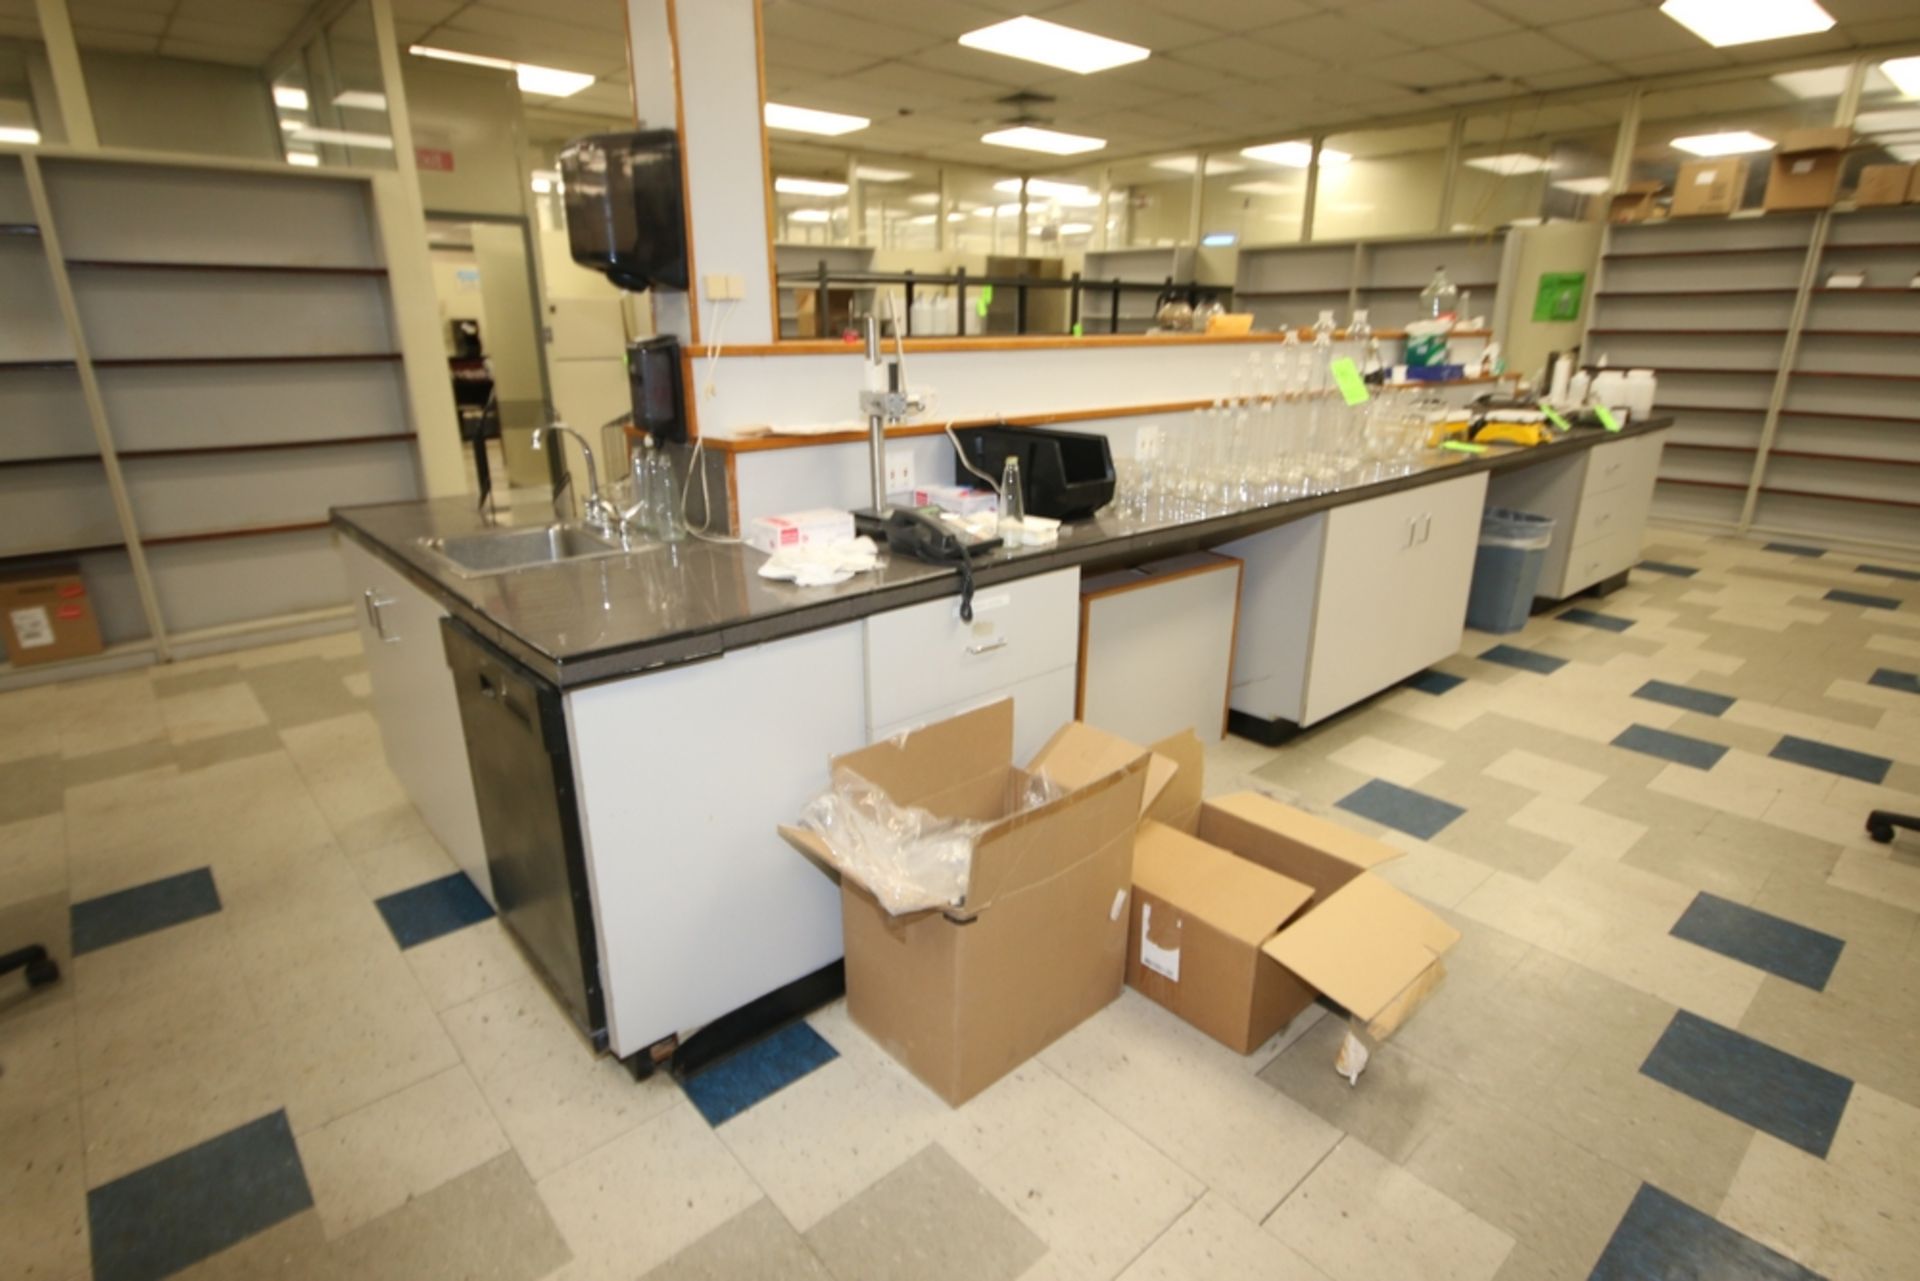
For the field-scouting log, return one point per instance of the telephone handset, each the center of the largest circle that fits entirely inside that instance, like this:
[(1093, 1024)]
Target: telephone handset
[(920, 533)]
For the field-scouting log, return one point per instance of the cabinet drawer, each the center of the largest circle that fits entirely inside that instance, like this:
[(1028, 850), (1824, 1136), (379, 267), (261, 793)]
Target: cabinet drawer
[(924, 657), (1041, 705), (1608, 513), (1621, 464), (1601, 558)]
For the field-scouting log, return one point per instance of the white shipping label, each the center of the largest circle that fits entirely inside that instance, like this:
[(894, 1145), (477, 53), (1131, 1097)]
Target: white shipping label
[(1164, 961), (33, 628), (1802, 166), (1704, 179)]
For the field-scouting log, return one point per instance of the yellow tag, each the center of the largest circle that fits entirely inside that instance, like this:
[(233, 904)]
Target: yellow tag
[(1606, 418), (1346, 376)]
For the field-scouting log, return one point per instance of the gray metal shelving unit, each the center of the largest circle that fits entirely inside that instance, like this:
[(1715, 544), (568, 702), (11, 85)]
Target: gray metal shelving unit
[(1291, 284)]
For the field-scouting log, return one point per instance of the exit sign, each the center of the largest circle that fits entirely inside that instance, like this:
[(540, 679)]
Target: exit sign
[(433, 159)]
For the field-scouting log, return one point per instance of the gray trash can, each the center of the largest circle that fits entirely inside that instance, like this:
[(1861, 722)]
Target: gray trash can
[(1513, 547)]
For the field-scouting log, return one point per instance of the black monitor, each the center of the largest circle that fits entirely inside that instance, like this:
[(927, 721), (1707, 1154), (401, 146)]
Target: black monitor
[(626, 216)]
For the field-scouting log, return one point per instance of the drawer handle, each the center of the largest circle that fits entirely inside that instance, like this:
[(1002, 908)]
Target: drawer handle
[(987, 648), (374, 605)]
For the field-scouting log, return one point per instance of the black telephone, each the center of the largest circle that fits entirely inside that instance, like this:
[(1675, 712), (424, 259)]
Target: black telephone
[(920, 533)]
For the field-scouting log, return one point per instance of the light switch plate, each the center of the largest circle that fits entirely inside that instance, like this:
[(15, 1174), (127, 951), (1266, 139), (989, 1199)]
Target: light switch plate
[(900, 474)]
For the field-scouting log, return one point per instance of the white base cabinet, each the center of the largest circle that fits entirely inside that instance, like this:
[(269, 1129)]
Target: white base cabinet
[(1343, 604), (415, 705), (1598, 499)]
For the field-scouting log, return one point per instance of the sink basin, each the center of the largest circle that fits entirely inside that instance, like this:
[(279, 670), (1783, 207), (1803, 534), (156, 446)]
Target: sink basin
[(497, 551)]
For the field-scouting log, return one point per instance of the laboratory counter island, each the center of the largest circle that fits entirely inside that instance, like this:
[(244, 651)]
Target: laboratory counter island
[(605, 744)]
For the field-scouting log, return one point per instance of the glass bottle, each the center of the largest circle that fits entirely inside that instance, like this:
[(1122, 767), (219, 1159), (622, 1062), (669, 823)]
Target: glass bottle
[(1440, 300), (663, 490), (1013, 504)]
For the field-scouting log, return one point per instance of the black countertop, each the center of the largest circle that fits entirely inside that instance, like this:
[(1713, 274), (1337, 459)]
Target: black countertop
[(584, 621)]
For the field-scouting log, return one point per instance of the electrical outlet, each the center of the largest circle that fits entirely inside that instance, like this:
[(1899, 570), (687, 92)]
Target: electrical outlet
[(900, 477), (725, 288)]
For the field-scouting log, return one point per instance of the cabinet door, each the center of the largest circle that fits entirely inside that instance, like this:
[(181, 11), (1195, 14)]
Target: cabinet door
[(1393, 590), (1041, 705), (415, 705)]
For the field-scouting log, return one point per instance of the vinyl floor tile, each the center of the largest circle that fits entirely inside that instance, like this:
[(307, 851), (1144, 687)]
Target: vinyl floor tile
[(1793, 952), (1435, 682), (1526, 660), (43, 1201), (1216, 1241), (1694, 753), (1843, 761), (928, 1219), (1663, 1237), (756, 1242), (1888, 571), (1865, 599), (1703, 701), (1595, 619), (1401, 808), (488, 1223), (723, 1090), (1795, 1101), (143, 909), (430, 911)]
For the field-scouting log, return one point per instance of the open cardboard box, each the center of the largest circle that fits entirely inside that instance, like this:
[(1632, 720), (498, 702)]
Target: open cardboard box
[(1246, 910), (1805, 173), (965, 995)]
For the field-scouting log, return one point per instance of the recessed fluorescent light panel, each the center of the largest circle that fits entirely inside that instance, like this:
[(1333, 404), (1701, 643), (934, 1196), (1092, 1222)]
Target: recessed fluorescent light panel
[(1729, 22), (1583, 186), (1905, 74), (1830, 82), (1076, 228), (547, 82), (830, 124), (291, 97), (809, 215), (1734, 143), (1267, 188), (1187, 164), (1052, 45), (871, 173), (1071, 194), (1219, 239), (22, 134), (362, 100), (1510, 164), (1051, 141), (808, 187), (305, 159), (343, 138), (1294, 155)]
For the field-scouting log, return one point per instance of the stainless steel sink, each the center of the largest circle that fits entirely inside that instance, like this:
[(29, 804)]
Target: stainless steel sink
[(498, 551)]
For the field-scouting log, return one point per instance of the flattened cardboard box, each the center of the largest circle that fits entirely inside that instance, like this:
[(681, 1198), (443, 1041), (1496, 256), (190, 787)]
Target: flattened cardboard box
[(963, 997), (1882, 185), (47, 615), (1246, 910)]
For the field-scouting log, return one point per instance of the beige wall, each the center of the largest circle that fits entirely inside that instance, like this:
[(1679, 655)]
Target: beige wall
[(1389, 196), (168, 104), (473, 112)]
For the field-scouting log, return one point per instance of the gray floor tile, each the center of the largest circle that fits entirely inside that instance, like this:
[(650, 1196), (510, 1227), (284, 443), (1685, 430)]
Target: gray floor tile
[(755, 1243), (301, 692), (929, 1220), (30, 788), (488, 1223), (1404, 1097)]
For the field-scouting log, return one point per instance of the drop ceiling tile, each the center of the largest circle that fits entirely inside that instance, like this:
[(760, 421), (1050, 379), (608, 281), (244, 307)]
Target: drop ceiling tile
[(1163, 75), (1237, 16), (1426, 69), (87, 11), (1520, 52), (945, 19), (1434, 22), (1498, 91), (1571, 78), (855, 35), (1333, 38), (1705, 58), (916, 84), (1849, 12), (1540, 13), (804, 55), (957, 59), (1637, 33), (126, 22), (1886, 31), (1246, 58), (1834, 41), (115, 41), (231, 53), (1142, 24)]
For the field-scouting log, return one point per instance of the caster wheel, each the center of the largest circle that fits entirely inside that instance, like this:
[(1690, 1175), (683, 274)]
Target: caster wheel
[(1884, 835), (41, 973)]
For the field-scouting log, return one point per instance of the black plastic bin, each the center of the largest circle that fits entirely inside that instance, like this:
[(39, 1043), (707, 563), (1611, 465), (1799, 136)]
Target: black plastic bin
[(1065, 475)]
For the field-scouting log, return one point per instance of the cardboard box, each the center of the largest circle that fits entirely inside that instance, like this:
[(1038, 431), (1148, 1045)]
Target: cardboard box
[(48, 615), (1709, 187), (1246, 910), (1883, 185), (1635, 202), (800, 529), (1913, 188), (1806, 169), (964, 996)]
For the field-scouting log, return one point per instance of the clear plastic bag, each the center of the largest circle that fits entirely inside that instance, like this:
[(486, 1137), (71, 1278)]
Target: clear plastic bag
[(909, 857)]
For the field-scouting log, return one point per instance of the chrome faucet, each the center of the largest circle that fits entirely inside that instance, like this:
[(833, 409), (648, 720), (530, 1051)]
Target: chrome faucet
[(599, 513)]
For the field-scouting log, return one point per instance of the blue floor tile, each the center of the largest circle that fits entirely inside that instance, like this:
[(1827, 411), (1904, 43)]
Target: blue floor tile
[(1435, 682), (1845, 597), (1764, 941), (1527, 660), (172, 1214), (1401, 808), (1667, 567), (1796, 549), (1668, 746), (1706, 702), (426, 912), (1591, 618), (1795, 1101), (127, 914), (1887, 678), (1888, 571), (1663, 1239), (742, 1079), (1834, 760)]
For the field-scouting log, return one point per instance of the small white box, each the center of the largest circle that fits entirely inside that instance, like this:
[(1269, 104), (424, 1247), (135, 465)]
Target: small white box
[(961, 500), (800, 529)]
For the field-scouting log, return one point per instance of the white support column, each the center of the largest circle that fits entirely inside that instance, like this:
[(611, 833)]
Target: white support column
[(69, 83)]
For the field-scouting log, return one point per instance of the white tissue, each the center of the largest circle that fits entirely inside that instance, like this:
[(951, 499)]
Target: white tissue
[(821, 564)]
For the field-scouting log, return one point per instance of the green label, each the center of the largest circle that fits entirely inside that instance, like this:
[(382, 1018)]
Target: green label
[(1606, 418), (1077, 331), (1558, 296), (986, 295), (1463, 447), (1346, 376), (1553, 416)]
